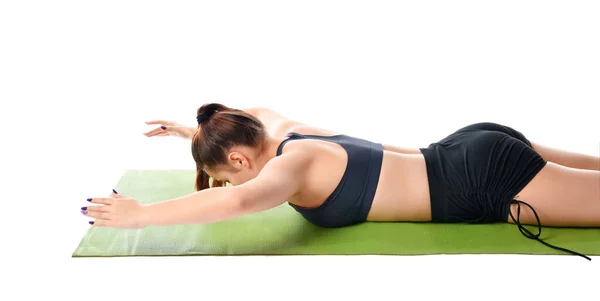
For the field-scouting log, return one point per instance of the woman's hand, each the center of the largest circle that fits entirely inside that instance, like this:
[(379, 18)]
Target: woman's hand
[(171, 128), (116, 212)]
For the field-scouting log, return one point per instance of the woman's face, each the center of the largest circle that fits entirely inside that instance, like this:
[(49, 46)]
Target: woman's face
[(236, 177)]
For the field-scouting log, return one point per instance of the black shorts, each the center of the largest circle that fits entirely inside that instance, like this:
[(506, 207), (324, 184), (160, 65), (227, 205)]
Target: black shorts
[(475, 172)]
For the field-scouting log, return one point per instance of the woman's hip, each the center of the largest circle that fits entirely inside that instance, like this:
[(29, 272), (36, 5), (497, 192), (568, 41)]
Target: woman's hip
[(473, 176)]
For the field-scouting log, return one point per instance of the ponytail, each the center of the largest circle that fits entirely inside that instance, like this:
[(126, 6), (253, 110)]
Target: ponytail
[(203, 181)]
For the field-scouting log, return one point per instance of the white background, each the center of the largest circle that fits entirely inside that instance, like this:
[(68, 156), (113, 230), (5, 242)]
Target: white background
[(79, 78)]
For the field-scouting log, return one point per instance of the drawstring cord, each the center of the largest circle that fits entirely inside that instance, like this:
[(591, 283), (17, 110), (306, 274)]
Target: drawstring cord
[(530, 235)]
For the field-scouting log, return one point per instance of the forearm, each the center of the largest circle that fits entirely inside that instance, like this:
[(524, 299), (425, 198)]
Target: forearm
[(205, 206), (191, 130)]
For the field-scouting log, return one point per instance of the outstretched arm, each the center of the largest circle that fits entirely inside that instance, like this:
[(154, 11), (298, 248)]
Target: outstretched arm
[(276, 183), (275, 123)]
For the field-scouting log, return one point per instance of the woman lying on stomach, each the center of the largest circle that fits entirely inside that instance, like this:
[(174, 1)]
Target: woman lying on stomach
[(484, 172)]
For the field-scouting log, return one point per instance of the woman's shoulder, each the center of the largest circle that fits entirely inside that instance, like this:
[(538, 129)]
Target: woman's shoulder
[(279, 125), (304, 129)]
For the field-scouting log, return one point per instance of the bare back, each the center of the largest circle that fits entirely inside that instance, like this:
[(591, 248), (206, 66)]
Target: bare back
[(402, 192)]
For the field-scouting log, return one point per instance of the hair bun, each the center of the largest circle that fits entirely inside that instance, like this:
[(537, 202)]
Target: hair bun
[(205, 116), (208, 111)]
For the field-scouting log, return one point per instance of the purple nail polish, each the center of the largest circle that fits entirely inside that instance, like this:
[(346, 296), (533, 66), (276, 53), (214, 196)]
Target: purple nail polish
[(83, 208), (89, 200), (115, 191), (163, 127), (84, 211), (91, 223)]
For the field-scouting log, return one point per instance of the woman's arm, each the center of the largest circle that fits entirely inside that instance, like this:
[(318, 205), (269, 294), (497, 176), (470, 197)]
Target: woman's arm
[(276, 183), (275, 123)]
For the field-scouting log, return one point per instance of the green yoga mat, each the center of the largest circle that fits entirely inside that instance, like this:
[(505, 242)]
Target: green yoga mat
[(282, 231)]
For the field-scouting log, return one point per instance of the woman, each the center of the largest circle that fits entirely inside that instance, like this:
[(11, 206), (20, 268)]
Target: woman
[(480, 173)]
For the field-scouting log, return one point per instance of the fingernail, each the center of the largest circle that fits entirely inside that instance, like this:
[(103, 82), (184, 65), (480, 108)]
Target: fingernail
[(83, 208), (89, 200), (115, 191), (83, 212), (91, 222), (163, 127)]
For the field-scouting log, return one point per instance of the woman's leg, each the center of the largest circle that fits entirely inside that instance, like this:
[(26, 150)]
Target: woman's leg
[(562, 157), (566, 158), (561, 196)]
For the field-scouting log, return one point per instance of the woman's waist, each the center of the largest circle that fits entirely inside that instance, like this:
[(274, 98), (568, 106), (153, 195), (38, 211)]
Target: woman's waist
[(403, 189)]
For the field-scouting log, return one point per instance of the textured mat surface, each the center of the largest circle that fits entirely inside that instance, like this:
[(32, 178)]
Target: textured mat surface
[(283, 231)]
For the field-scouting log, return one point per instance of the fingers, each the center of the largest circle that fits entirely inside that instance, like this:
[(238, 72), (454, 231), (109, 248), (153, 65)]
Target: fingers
[(160, 134), (160, 130), (156, 131), (103, 213), (163, 122), (101, 223), (100, 208), (95, 213), (167, 131), (116, 195), (105, 201), (98, 212)]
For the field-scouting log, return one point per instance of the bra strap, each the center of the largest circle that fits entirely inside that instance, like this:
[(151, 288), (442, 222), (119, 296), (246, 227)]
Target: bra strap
[(292, 136)]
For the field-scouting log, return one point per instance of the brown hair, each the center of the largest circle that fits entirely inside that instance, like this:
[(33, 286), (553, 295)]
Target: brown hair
[(219, 129)]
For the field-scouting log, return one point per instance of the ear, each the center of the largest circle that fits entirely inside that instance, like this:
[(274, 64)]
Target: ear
[(237, 160)]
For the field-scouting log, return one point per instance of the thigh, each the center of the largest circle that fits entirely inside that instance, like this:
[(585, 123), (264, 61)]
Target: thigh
[(562, 197), (567, 158)]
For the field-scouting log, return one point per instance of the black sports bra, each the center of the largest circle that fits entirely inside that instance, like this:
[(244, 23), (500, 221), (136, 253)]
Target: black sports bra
[(351, 200)]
